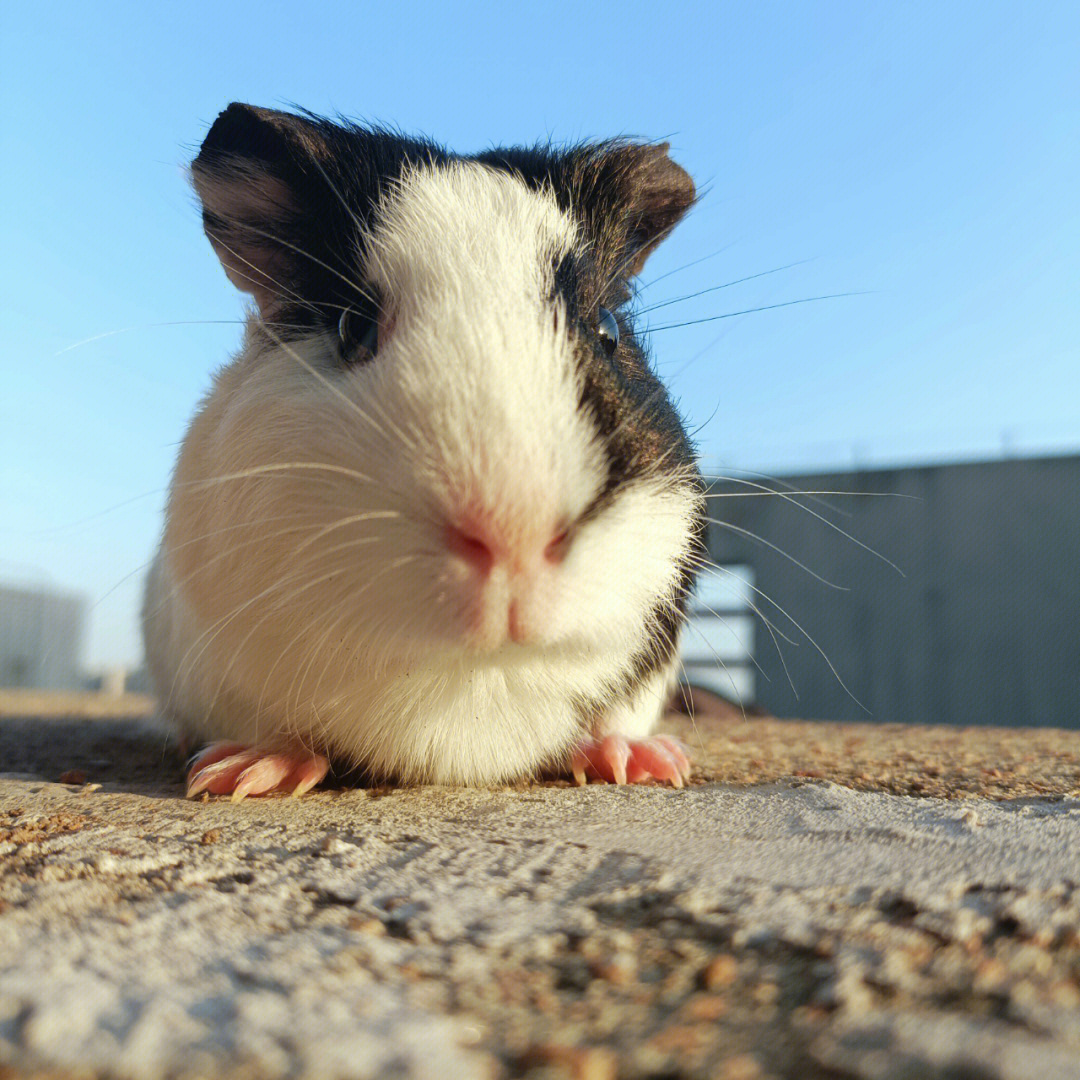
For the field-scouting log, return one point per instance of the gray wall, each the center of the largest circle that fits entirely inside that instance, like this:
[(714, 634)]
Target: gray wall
[(41, 636), (982, 629)]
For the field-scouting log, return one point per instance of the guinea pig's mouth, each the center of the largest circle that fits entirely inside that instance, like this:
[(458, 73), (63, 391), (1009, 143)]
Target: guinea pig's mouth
[(495, 622)]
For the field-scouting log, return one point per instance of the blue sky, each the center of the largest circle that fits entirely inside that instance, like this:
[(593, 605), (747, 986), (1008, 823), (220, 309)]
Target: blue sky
[(924, 154)]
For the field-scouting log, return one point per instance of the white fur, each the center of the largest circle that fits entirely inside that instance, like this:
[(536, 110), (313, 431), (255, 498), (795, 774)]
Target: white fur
[(304, 593), (635, 717)]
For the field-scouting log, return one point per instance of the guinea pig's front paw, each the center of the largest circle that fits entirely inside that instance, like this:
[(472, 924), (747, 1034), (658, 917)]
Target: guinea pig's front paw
[(225, 768), (631, 761)]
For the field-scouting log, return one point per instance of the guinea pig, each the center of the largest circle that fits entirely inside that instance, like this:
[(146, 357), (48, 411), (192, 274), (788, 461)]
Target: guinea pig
[(438, 519)]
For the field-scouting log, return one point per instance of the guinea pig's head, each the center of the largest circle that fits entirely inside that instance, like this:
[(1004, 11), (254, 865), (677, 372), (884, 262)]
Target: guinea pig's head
[(442, 437)]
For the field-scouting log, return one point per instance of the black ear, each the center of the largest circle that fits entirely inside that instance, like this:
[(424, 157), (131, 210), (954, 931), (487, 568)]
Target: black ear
[(656, 193), (253, 176), (635, 195)]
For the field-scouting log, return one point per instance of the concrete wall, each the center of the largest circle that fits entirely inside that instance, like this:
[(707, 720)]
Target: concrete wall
[(41, 638), (983, 627)]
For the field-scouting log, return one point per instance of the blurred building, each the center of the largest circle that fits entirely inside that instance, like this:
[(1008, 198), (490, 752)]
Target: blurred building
[(41, 638), (977, 621), (718, 643)]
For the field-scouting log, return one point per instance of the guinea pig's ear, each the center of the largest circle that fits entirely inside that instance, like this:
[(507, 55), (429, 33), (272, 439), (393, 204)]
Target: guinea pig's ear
[(661, 192), (635, 195), (250, 175)]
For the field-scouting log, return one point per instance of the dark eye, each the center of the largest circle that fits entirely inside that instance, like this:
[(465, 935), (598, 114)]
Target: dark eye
[(358, 333), (608, 329)]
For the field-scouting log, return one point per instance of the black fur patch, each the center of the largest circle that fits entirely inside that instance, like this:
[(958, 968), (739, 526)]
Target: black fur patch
[(285, 198)]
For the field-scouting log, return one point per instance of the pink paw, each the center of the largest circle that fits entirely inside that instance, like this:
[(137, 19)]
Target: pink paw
[(225, 768), (631, 761)]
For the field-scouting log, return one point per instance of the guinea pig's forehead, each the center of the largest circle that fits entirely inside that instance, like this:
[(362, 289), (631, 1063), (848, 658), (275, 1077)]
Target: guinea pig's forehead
[(484, 223)]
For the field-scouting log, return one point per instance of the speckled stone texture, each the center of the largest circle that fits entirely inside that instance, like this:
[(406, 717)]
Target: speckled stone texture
[(788, 915)]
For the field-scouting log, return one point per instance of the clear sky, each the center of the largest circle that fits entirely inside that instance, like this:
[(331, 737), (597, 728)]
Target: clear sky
[(926, 154)]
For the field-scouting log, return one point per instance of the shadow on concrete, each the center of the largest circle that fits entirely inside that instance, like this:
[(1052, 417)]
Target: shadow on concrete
[(122, 754), (140, 755)]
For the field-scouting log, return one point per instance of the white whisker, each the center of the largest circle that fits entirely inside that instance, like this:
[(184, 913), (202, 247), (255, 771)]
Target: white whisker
[(813, 513), (779, 551)]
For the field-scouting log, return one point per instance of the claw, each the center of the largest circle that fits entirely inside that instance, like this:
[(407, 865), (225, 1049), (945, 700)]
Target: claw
[(619, 760), (677, 751), (657, 760), (578, 764), (219, 776), (616, 753), (237, 770), (212, 753), (262, 776), (308, 774)]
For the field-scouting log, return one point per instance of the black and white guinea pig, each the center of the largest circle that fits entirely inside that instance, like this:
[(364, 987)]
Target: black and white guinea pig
[(438, 519)]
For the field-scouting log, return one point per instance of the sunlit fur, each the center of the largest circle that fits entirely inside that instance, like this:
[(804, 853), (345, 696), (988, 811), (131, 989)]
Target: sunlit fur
[(304, 593)]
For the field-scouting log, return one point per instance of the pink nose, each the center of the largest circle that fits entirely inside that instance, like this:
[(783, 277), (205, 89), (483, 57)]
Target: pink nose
[(474, 549), (480, 544)]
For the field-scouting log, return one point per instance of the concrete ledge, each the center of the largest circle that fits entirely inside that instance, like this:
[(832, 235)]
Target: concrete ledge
[(790, 927)]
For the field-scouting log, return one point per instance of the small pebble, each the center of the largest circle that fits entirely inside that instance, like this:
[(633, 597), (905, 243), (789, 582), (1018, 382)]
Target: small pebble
[(366, 925), (721, 971), (582, 1062), (740, 1067), (706, 1007)]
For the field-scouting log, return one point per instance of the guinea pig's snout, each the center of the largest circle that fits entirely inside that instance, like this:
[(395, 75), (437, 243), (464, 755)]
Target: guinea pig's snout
[(513, 576), (484, 545)]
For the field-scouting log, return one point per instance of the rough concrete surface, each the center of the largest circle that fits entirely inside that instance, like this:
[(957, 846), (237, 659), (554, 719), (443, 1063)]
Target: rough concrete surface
[(794, 926)]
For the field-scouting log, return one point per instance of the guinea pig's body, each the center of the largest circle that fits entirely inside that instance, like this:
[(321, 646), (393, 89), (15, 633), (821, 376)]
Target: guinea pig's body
[(438, 519)]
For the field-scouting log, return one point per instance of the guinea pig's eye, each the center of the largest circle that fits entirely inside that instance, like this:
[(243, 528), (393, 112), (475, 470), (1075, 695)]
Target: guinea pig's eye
[(358, 334), (608, 329)]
